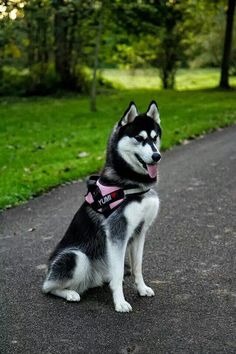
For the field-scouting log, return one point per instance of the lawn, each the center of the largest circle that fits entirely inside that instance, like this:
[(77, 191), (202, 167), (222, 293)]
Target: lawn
[(47, 141), (185, 79)]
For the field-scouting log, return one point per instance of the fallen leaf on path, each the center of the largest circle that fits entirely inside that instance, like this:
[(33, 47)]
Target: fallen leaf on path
[(156, 281), (41, 266)]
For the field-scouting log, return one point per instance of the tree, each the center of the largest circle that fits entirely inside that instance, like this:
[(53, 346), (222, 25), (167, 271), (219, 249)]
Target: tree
[(96, 59), (159, 22), (65, 23), (37, 20), (171, 36), (224, 80)]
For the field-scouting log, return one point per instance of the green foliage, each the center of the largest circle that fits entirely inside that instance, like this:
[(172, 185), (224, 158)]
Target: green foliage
[(13, 81), (47, 39), (207, 38), (51, 41), (41, 80), (48, 141)]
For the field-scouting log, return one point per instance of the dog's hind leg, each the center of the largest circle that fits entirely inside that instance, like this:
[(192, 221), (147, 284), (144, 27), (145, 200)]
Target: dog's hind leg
[(58, 288), (69, 295), (136, 253), (68, 275)]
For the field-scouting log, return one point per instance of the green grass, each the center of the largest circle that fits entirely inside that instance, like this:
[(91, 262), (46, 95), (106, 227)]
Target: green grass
[(41, 140), (149, 78)]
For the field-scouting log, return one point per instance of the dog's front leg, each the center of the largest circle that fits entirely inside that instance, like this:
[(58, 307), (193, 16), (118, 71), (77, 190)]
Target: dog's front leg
[(116, 254), (136, 255)]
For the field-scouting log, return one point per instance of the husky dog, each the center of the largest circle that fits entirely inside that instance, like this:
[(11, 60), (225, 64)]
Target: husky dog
[(118, 209)]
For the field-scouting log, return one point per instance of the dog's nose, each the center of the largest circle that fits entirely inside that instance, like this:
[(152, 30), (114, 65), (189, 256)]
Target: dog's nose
[(156, 156)]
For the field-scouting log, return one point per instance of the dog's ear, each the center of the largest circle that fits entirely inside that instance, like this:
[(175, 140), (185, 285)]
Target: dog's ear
[(153, 112), (129, 114)]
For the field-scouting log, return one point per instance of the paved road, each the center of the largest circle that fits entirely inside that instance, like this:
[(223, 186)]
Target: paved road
[(189, 261)]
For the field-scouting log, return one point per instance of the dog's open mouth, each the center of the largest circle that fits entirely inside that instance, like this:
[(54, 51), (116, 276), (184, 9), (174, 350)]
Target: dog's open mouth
[(151, 168)]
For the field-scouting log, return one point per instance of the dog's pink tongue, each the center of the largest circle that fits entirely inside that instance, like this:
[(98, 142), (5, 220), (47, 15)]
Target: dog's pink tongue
[(152, 170)]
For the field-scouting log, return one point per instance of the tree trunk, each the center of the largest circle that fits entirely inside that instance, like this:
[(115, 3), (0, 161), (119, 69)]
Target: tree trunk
[(60, 34), (224, 80), (93, 106), (62, 46)]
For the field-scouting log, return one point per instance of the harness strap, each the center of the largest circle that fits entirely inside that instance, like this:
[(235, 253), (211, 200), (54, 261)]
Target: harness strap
[(105, 199), (135, 191)]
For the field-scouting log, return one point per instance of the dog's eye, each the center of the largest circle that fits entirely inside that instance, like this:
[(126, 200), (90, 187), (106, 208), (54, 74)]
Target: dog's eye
[(154, 138), (139, 138)]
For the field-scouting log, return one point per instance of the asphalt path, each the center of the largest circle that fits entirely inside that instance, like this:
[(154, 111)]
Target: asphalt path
[(189, 261)]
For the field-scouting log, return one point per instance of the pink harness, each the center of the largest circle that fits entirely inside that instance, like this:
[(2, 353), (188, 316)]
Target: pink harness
[(105, 199)]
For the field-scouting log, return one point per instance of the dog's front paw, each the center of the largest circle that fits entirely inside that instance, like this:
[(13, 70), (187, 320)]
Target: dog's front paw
[(123, 306), (145, 291), (72, 296)]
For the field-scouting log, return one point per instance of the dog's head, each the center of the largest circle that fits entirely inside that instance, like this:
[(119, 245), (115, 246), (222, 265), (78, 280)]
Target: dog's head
[(138, 141)]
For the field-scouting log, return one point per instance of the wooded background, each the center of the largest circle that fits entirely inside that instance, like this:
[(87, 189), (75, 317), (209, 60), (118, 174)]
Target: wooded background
[(52, 45)]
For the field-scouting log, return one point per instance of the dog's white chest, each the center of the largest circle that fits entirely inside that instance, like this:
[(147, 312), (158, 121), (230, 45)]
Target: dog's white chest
[(142, 212)]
